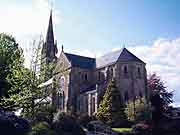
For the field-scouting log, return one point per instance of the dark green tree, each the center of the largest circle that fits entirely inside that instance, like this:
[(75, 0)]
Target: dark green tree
[(111, 108), (160, 97), (10, 58), (10, 54), (24, 91), (157, 87)]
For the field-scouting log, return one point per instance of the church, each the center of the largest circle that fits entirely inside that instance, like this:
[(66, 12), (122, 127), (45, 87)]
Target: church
[(79, 82)]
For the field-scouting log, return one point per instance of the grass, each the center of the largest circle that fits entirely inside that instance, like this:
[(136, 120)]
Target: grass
[(121, 130)]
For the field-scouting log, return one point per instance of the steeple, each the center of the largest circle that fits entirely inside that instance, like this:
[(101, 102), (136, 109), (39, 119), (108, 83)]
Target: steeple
[(49, 51), (50, 33), (50, 47)]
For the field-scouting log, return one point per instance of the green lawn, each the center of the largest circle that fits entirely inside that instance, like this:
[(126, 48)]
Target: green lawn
[(122, 129)]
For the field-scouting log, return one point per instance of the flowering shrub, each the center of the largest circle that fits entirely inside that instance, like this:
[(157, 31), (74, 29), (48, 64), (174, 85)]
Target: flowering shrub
[(142, 129)]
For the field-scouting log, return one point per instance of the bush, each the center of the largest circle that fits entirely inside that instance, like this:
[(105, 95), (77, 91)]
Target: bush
[(84, 119), (10, 124), (65, 124), (142, 129), (122, 124), (143, 115), (100, 127), (138, 110), (41, 128), (45, 113)]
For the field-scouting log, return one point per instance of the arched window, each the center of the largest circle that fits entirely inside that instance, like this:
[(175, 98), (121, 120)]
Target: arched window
[(107, 73), (126, 96), (86, 77), (140, 94), (125, 70), (62, 83), (112, 72), (139, 72), (60, 100), (79, 75), (99, 76)]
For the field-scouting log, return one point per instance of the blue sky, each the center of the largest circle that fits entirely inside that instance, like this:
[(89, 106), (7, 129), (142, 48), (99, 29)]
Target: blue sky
[(148, 28), (116, 22)]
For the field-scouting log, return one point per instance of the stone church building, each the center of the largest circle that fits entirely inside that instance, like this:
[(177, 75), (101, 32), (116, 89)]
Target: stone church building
[(80, 82)]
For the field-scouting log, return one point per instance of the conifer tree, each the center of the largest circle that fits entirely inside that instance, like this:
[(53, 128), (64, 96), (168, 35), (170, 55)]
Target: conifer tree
[(111, 108)]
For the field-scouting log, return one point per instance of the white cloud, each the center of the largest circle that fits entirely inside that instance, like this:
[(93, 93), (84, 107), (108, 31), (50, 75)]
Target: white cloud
[(163, 58), (26, 21)]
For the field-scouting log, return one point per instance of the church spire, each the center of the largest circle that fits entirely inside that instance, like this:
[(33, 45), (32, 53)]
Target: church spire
[(50, 47), (50, 33)]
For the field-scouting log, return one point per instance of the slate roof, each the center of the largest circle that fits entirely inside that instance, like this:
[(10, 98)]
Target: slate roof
[(111, 58), (86, 89), (108, 59), (81, 61)]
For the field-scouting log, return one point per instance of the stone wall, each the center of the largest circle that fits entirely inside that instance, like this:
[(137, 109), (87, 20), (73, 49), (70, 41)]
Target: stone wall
[(130, 79)]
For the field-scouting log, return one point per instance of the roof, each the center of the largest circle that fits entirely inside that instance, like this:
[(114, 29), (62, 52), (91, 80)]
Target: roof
[(49, 82), (111, 58), (87, 89), (92, 88), (81, 61)]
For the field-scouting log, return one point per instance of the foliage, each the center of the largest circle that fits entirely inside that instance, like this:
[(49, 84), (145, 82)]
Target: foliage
[(10, 57), (157, 86), (142, 129), (23, 84), (144, 115), (160, 97), (12, 124), (9, 52), (122, 130), (65, 124), (44, 113), (138, 110), (84, 119), (111, 108), (23, 88), (42, 128), (98, 127)]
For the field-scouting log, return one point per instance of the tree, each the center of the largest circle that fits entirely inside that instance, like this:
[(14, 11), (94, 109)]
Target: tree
[(160, 97), (111, 108), (10, 54), (157, 87), (24, 91), (33, 95), (10, 58), (142, 111)]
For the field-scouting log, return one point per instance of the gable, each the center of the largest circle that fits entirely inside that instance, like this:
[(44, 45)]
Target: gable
[(62, 63), (113, 57), (126, 55)]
